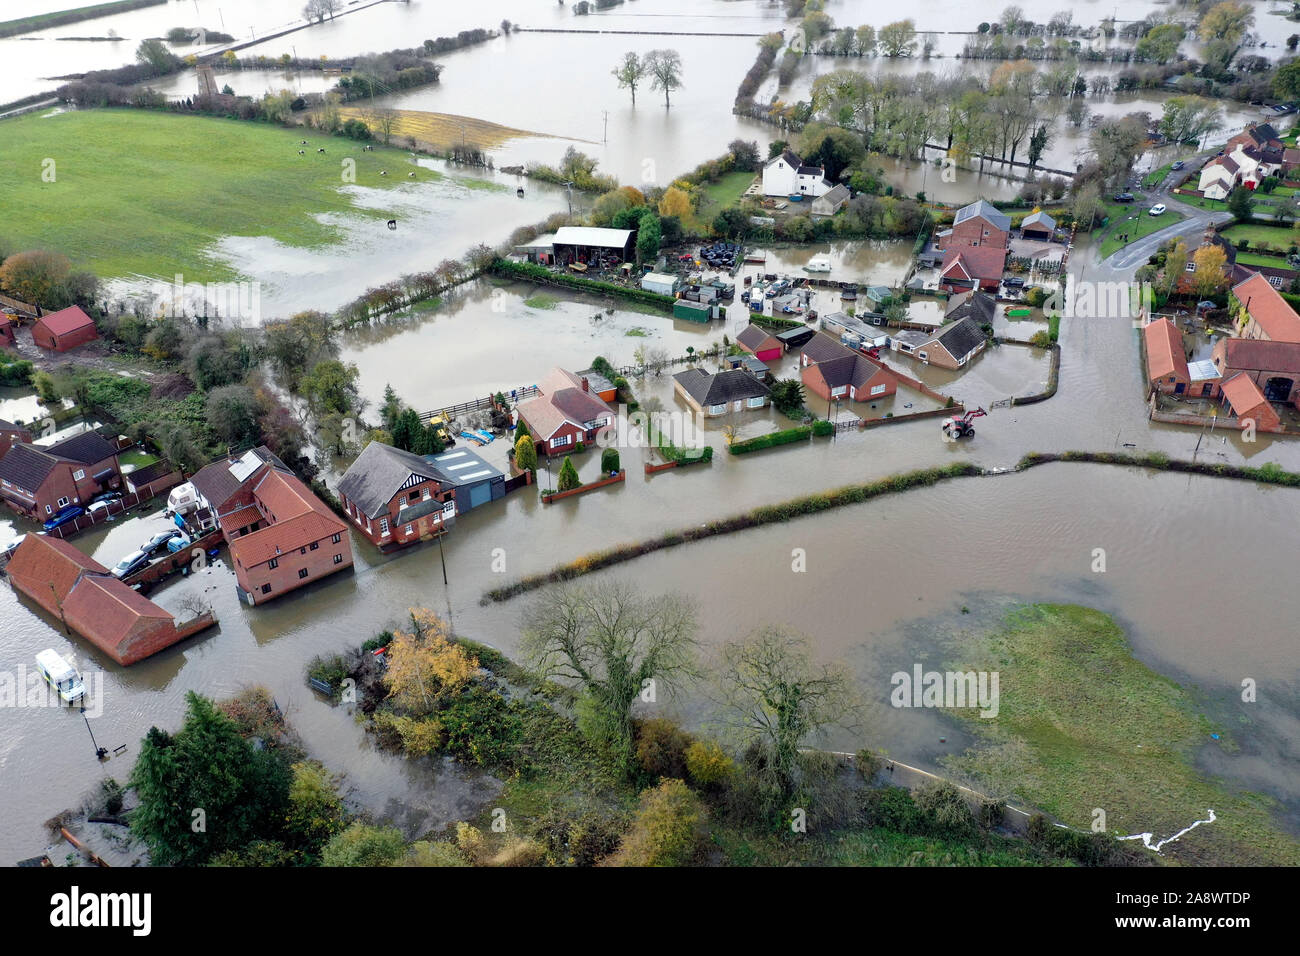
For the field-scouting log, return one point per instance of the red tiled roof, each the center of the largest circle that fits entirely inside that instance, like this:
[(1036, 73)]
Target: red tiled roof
[(42, 562), (1261, 355), (66, 320), (1243, 394), (975, 262), (104, 608), (1267, 307), (241, 517), (1165, 355), (298, 518)]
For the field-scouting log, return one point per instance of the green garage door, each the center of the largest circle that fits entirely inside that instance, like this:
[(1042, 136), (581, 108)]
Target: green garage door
[(480, 494)]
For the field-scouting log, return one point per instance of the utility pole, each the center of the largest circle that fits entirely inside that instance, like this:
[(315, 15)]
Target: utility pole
[(442, 554), (606, 137), (100, 752), (569, 187)]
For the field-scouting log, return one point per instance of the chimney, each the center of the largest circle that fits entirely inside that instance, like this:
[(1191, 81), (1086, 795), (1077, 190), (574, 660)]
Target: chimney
[(585, 386)]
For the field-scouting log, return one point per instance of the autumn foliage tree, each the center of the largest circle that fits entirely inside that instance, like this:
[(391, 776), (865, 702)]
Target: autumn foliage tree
[(675, 202), (424, 664), (1211, 275)]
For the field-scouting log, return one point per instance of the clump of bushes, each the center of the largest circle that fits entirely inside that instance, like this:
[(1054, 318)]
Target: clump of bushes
[(822, 427), (770, 440)]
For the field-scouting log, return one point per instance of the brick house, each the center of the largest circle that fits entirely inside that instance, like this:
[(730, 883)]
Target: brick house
[(7, 337), (64, 330), (11, 434), (281, 536), (716, 393), (832, 371), (396, 497), (954, 345), (38, 480), (81, 593), (972, 267), (761, 344), (1166, 357), (1264, 313), (1248, 403), (565, 413), (1273, 366), (978, 224)]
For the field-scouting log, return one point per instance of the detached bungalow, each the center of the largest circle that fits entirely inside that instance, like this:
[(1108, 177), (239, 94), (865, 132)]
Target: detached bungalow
[(564, 414), (396, 497), (79, 591), (763, 345), (64, 330), (1249, 404), (979, 306), (831, 370), (38, 480), (954, 345), (716, 393)]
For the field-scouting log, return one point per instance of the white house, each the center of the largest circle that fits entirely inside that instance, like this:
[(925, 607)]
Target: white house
[(830, 202), (1218, 177), (786, 175)]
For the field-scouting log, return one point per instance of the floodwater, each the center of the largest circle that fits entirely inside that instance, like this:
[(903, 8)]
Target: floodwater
[(1194, 566)]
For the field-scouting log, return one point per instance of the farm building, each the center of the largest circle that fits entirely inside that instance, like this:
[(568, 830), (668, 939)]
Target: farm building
[(64, 330), (1264, 313), (590, 243), (1248, 403), (692, 311), (79, 591), (7, 337), (1273, 366), (716, 393), (760, 343), (660, 282), (475, 481), (540, 251)]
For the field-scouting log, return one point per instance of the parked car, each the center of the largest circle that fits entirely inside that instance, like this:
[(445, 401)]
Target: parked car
[(178, 542), (99, 509), (1157, 209), (159, 539), (132, 563), (1125, 197), (63, 516), (12, 546), (1178, 165), (1014, 282), (107, 496)]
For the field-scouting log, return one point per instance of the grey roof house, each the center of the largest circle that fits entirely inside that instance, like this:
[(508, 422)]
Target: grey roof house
[(716, 393)]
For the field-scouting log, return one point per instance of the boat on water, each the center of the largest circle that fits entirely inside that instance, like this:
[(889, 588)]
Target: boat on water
[(818, 264), (60, 675)]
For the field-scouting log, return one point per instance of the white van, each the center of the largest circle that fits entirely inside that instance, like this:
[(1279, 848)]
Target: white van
[(60, 675), (183, 499)]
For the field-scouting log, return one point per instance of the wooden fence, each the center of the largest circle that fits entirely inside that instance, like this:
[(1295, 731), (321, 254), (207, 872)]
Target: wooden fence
[(83, 521), (177, 562), (453, 411), (24, 309)]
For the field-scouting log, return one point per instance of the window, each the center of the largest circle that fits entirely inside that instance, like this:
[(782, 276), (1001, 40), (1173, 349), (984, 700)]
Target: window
[(273, 563), (717, 409), (1191, 266), (1275, 281), (449, 509), (315, 545), (427, 493), (266, 589), (413, 497), (383, 527), (407, 529), (335, 539), (561, 440), (839, 391), (922, 356), (338, 559), (63, 502), (878, 389), (79, 474), (302, 573), (756, 402), (48, 509), (302, 550)]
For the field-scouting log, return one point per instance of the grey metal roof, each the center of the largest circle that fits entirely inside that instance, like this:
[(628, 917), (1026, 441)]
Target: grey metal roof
[(379, 473), (463, 467), (985, 209), (718, 388)]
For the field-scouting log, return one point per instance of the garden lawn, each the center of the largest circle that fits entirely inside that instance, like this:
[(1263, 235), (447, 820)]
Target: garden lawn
[(1259, 259), (1083, 724), (1276, 236), (1144, 225), (1158, 176), (727, 190), (150, 193)]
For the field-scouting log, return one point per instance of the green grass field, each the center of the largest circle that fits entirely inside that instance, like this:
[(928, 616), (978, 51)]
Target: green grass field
[(1083, 724), (1259, 259), (1143, 225), (1157, 176), (139, 192), (727, 190), (1276, 236)]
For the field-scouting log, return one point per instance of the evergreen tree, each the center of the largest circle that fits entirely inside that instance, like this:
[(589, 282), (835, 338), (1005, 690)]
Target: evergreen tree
[(569, 476)]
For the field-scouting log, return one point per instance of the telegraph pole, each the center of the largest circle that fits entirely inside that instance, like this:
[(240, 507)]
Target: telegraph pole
[(606, 137)]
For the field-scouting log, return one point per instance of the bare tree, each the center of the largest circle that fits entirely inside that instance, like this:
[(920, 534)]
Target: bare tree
[(776, 697), (665, 69), (615, 644)]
